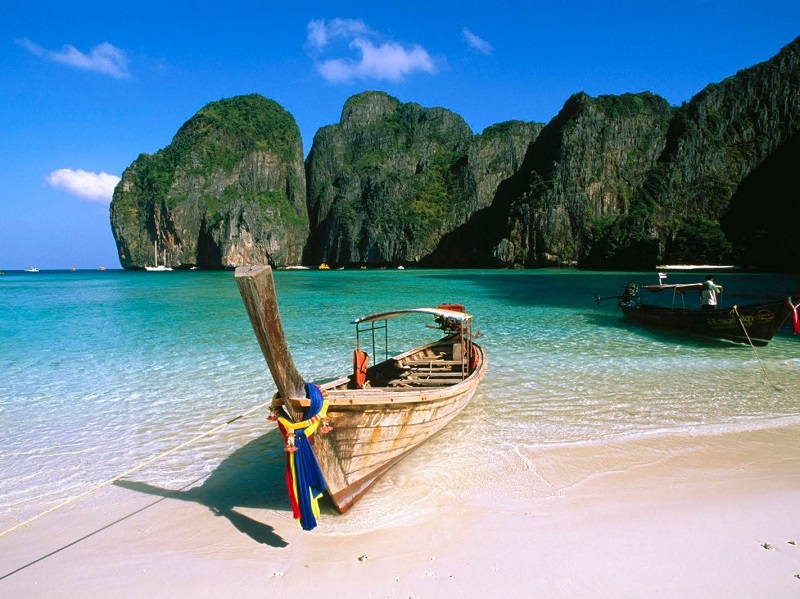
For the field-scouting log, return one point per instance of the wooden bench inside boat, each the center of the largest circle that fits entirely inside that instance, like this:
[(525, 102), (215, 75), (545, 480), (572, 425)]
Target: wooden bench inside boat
[(433, 362), (429, 366), (423, 382), (426, 374), (427, 378)]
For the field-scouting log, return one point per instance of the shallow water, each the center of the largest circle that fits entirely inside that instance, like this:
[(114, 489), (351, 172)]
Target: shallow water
[(104, 370)]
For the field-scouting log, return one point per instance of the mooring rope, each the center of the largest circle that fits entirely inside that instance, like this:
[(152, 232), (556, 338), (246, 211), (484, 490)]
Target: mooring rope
[(753, 347), (136, 468)]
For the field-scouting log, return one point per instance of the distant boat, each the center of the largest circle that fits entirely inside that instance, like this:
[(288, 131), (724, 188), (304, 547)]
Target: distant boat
[(324, 266), (101, 268), (31, 269), (753, 324), (73, 269), (158, 267)]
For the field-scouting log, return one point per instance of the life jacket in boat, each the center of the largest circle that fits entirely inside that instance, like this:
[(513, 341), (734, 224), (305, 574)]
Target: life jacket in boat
[(360, 364), (473, 357)]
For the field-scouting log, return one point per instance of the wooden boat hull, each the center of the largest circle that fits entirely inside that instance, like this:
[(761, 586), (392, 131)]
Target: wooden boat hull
[(374, 428), (760, 321), (379, 415)]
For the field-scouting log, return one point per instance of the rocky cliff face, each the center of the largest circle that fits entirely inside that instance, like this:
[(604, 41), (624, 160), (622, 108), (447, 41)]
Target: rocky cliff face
[(228, 190), (585, 168), (611, 182), (718, 140), (386, 183), (493, 156), (627, 181)]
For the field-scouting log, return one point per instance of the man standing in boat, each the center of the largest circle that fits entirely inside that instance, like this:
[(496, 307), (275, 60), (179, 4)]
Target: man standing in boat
[(708, 295)]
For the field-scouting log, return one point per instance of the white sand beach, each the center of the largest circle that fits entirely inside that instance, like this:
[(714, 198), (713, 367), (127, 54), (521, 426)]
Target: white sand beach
[(706, 516)]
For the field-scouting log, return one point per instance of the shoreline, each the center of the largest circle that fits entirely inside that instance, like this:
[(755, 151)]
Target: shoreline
[(690, 516)]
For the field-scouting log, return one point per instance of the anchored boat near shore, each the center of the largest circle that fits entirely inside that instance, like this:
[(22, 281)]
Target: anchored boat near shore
[(358, 426), (754, 324)]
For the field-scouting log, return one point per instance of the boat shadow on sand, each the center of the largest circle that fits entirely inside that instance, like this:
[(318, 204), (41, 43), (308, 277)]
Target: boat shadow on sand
[(251, 477)]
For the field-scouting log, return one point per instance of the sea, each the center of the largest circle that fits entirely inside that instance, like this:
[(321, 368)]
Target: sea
[(154, 382)]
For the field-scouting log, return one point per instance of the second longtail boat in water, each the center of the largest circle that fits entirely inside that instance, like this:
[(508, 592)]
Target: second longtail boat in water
[(754, 324), (341, 436)]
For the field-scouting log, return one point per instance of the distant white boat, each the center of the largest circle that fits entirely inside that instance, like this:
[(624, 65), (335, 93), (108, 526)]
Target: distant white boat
[(158, 267), (31, 269)]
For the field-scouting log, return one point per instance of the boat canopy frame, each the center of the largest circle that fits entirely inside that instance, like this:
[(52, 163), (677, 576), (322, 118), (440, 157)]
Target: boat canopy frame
[(449, 321), (677, 290)]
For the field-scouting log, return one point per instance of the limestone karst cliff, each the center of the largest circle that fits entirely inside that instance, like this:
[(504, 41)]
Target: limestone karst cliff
[(622, 182), (386, 183), (229, 189), (581, 169), (627, 181), (713, 144)]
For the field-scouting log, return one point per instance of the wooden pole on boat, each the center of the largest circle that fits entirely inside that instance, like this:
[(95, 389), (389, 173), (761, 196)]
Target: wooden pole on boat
[(257, 288)]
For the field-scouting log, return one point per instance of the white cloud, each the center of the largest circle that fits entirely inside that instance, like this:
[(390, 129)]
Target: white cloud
[(369, 57), (321, 34), (104, 58), (95, 187), (475, 42)]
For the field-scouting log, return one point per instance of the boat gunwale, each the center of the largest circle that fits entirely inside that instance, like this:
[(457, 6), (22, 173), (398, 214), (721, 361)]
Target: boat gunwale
[(387, 396), (777, 304)]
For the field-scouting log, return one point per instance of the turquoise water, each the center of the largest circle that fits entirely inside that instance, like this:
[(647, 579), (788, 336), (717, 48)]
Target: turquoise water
[(103, 370)]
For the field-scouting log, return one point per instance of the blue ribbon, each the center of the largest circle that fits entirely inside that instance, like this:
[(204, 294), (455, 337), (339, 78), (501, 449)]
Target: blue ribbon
[(310, 482)]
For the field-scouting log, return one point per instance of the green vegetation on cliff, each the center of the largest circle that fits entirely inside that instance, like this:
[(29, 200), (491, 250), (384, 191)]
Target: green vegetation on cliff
[(385, 183), (616, 181), (220, 134), (229, 186)]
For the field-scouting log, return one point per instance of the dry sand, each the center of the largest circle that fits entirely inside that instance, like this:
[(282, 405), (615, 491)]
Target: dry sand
[(706, 516)]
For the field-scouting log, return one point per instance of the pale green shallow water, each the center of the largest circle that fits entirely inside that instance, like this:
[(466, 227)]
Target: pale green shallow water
[(103, 370)]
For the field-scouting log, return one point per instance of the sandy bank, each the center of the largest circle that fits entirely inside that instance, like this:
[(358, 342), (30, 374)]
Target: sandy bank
[(711, 516)]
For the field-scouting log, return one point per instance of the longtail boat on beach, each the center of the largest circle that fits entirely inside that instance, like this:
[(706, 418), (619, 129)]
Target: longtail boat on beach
[(342, 435), (753, 324)]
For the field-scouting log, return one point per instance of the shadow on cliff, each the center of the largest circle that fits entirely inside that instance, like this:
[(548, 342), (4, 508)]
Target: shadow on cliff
[(251, 477), (474, 244)]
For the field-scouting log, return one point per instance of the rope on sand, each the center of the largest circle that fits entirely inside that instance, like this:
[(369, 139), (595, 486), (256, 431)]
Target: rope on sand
[(136, 468), (753, 347)]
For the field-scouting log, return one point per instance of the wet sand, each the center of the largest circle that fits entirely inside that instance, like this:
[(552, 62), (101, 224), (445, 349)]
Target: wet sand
[(688, 516)]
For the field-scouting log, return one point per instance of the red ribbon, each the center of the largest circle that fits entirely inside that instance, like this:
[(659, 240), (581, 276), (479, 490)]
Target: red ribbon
[(795, 318)]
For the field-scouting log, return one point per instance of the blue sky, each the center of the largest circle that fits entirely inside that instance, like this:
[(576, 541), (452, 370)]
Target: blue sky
[(85, 87)]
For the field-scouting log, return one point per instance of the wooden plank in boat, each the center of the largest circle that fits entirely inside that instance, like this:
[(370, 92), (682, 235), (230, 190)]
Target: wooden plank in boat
[(434, 362), (434, 382), (421, 374)]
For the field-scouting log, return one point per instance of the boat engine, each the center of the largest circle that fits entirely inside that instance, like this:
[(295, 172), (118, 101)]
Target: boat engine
[(629, 294)]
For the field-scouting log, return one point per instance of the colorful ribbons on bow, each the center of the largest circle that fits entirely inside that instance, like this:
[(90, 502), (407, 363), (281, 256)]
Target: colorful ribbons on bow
[(304, 480)]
